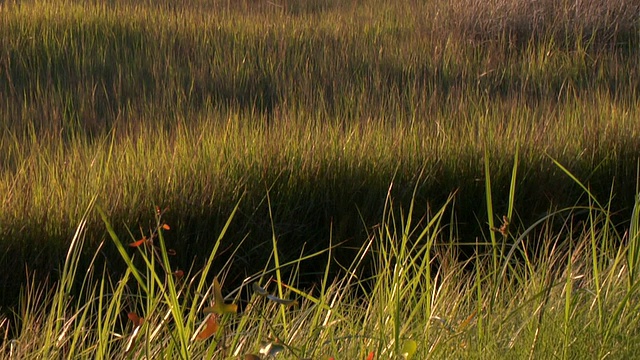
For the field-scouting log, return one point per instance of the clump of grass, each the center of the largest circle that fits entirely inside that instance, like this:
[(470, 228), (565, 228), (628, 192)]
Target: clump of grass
[(570, 23), (566, 294)]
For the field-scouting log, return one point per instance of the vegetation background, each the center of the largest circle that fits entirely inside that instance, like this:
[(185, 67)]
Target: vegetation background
[(409, 132), (311, 112)]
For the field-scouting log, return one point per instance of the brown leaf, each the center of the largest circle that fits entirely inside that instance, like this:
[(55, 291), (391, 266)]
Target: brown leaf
[(135, 319), (211, 328)]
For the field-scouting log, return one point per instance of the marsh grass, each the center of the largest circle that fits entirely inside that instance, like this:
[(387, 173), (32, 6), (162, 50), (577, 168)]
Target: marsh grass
[(579, 299), (320, 104)]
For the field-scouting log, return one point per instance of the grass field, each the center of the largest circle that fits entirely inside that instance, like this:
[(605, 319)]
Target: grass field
[(309, 116)]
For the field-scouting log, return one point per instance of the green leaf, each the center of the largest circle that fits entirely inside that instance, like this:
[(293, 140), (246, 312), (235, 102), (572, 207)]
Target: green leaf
[(409, 348), (219, 307)]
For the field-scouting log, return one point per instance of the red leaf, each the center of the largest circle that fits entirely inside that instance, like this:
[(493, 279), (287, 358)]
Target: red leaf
[(139, 242), (370, 357), (178, 274), (210, 328), (166, 227)]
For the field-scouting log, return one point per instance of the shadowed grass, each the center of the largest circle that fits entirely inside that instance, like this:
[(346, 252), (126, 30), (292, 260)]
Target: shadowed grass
[(419, 301), (322, 103)]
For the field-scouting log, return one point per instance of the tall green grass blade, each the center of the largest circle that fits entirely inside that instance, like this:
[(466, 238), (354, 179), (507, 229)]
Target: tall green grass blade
[(633, 247), (172, 298), (123, 252), (512, 186), (197, 305), (276, 259), (595, 267), (490, 214), (573, 178), (568, 302)]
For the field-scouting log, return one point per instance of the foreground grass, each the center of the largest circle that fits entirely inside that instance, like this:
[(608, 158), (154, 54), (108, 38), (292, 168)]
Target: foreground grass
[(567, 294), (323, 103)]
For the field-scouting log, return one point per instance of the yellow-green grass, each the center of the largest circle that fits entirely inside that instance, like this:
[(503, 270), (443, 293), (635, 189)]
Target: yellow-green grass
[(578, 300), (321, 105)]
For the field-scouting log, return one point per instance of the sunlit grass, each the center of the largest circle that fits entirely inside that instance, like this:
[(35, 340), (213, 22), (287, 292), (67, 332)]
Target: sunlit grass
[(418, 301), (308, 111), (132, 99)]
